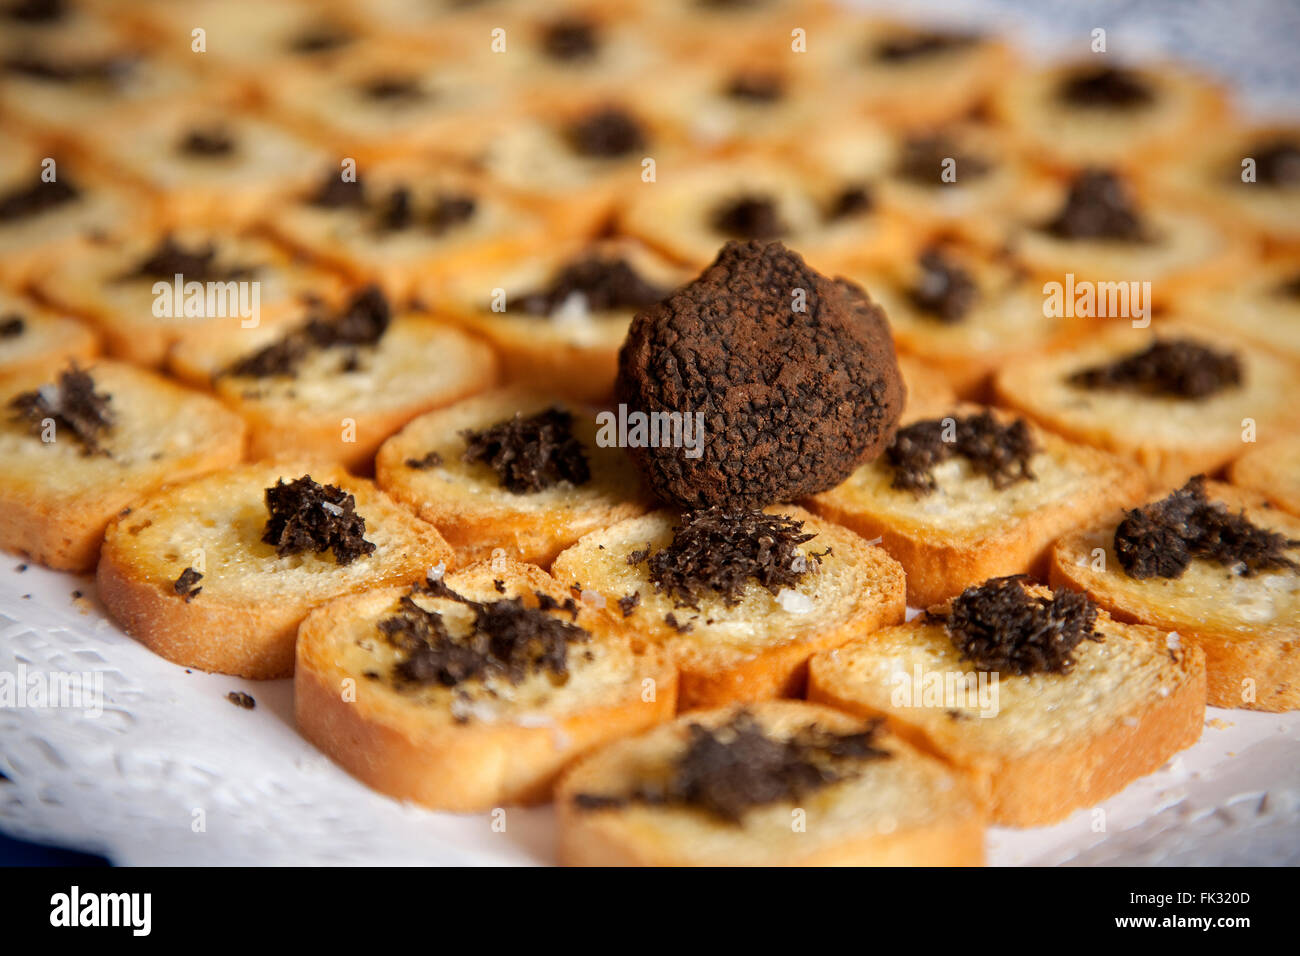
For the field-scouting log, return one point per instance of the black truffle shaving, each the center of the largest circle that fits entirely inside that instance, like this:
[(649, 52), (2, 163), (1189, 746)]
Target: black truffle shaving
[(363, 321), (1277, 163), (570, 39), (944, 290), (12, 326), (530, 454), (1001, 453), (605, 283), (187, 584), (211, 142), (508, 640), (1105, 87), (1180, 368), (393, 89), (852, 200), (196, 264), (607, 133), (425, 462), (74, 406), (450, 210), (749, 217), (629, 603), (110, 70), (756, 86), (1099, 205), (1161, 539), (914, 46), (716, 550), (320, 39), (26, 201), (308, 517), (924, 154), (335, 192), (731, 769), (999, 626)]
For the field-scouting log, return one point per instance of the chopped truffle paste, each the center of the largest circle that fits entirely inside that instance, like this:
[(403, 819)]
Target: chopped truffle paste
[(73, 405), (1161, 539), (306, 517), (1105, 87), (607, 133), (1000, 452), (570, 39), (187, 584), (999, 626), (738, 766), (603, 283), (925, 157), (793, 373), (23, 202), (907, 47), (1178, 368), (1099, 205), (749, 217), (530, 454), (197, 264), (207, 143), (943, 290)]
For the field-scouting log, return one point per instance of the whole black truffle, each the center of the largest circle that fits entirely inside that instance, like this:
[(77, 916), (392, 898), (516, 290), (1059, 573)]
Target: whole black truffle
[(793, 373)]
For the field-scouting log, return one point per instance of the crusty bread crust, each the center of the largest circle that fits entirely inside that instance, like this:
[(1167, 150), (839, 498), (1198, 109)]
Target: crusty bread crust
[(1046, 784), (62, 527), (950, 833), (942, 558), (1237, 650), (1272, 470), (410, 754), (232, 634), (714, 672)]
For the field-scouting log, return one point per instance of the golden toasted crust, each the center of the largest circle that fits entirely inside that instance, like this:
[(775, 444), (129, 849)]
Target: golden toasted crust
[(1248, 627), (1141, 700), (944, 549), (904, 810), (757, 649), (412, 750), (55, 502), (47, 342), (471, 508), (1171, 438), (1272, 470), (244, 619)]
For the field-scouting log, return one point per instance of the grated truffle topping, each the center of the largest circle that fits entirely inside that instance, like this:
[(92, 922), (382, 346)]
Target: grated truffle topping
[(1179, 368), (607, 133), (1099, 205), (570, 39), (207, 142), (749, 217), (729, 770), (999, 626), (605, 283), (196, 264), (1160, 540), (1000, 452), (1105, 87), (921, 44), (23, 202), (72, 404), (944, 290), (924, 155), (305, 516), (530, 454)]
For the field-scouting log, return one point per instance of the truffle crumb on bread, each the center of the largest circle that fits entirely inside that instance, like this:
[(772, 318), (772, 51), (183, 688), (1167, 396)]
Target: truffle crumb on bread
[(1047, 743), (671, 797), (58, 491), (1247, 623), (424, 467), (969, 526), (468, 706), (757, 647), (251, 594)]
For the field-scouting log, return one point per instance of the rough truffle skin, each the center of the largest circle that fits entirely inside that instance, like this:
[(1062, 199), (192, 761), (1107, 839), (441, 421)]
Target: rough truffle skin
[(793, 401)]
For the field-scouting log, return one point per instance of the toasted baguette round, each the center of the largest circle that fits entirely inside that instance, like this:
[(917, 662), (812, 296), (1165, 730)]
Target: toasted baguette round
[(1172, 438), (1249, 627), (966, 530), (758, 648), (1261, 306), (468, 503), (1051, 743), (41, 340), (244, 618), (905, 809), (56, 501), (327, 412), (499, 743), (1272, 470)]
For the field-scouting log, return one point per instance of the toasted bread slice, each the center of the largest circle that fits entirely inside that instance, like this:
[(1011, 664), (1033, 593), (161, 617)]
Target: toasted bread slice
[(127, 287), (1048, 743), (1261, 306), (1248, 626), (1172, 437), (58, 495), (929, 390), (893, 807), (562, 324), (472, 505), (1272, 470), (40, 340), (249, 600), (759, 647), (339, 403), (487, 740), (967, 529)]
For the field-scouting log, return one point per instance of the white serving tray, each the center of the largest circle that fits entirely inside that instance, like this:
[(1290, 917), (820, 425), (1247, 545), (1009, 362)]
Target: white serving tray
[(172, 773)]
